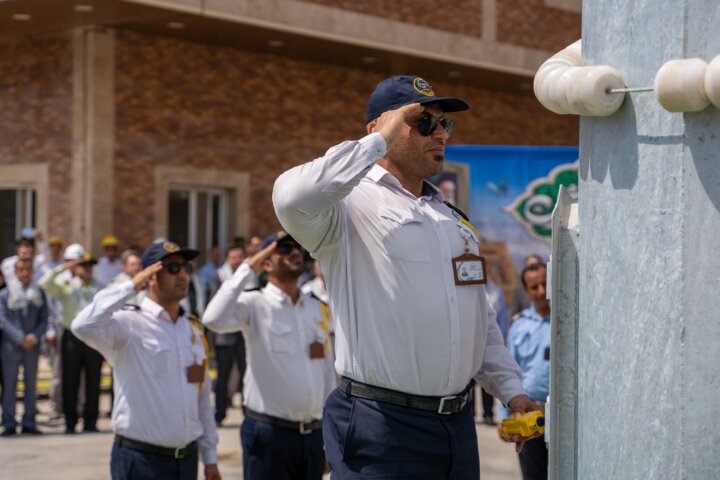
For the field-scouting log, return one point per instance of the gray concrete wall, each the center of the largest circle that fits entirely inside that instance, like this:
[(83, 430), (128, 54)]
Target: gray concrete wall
[(650, 215)]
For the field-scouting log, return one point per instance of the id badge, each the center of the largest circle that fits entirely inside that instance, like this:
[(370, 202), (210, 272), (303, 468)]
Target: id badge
[(317, 350), (469, 269), (195, 373)]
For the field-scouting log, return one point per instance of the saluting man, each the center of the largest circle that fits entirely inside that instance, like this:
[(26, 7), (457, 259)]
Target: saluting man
[(413, 327), (290, 371), (162, 413)]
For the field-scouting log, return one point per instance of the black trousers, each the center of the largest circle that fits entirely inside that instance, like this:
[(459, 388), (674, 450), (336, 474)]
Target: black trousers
[(487, 404), (534, 460), (77, 356), (226, 356)]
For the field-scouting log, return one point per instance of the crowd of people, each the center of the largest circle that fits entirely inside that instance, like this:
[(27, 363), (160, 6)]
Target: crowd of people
[(382, 385)]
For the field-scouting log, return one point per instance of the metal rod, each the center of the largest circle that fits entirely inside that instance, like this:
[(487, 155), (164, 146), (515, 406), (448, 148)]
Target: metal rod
[(629, 90)]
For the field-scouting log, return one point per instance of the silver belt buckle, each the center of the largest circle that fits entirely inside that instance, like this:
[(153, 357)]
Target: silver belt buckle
[(442, 404), (177, 454), (303, 431)]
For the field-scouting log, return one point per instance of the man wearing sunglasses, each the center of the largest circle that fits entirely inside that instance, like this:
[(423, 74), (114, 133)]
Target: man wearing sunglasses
[(162, 415), (413, 327), (289, 369)]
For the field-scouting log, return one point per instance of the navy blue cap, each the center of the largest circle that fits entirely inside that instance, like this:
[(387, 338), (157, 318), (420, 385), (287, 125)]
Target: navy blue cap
[(280, 236), (158, 251), (395, 92)]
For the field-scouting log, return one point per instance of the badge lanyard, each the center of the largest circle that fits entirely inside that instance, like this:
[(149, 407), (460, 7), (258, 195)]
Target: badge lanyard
[(468, 268)]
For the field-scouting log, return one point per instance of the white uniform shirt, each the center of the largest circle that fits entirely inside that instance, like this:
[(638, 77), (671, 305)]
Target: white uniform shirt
[(154, 402), (105, 270), (400, 320), (281, 379)]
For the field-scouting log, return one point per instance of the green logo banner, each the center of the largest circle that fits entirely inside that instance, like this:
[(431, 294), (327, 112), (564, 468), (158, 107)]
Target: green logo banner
[(533, 208)]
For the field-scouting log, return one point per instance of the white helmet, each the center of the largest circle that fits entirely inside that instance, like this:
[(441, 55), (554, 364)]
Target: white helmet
[(74, 251)]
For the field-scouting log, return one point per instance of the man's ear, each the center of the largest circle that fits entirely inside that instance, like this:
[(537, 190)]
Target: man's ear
[(267, 265), (371, 126)]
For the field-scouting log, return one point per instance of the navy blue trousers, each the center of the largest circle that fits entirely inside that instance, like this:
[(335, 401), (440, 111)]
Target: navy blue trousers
[(278, 453), (129, 464), (365, 439)]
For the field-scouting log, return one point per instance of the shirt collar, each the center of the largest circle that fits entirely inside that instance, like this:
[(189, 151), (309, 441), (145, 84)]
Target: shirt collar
[(275, 293), (156, 310), (380, 174), (533, 314)]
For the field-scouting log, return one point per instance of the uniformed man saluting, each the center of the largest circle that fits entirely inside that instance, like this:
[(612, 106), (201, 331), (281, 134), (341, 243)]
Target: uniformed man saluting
[(412, 331), (290, 371), (162, 415)]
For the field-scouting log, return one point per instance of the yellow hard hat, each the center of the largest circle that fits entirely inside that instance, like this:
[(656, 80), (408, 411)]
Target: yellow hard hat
[(55, 241), (110, 240)]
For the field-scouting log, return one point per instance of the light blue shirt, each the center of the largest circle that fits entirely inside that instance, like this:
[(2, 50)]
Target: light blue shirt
[(529, 342)]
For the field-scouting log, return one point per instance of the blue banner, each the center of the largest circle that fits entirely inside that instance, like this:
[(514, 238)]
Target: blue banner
[(509, 193)]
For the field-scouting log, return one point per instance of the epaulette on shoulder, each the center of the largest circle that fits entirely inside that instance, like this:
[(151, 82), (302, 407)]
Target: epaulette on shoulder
[(193, 319), (131, 306), (253, 289), (318, 299), (459, 212)]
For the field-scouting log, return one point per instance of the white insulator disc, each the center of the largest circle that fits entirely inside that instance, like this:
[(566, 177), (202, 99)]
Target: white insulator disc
[(588, 91), (573, 52), (557, 92), (680, 85), (712, 81), (545, 80)]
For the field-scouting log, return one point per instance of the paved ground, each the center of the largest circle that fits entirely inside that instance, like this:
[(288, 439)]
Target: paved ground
[(57, 456)]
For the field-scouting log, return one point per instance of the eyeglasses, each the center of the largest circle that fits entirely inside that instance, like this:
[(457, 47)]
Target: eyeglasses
[(285, 248), (173, 268), (428, 124)]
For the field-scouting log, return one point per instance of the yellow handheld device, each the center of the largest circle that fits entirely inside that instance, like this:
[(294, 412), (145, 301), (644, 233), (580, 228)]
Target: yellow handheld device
[(524, 425)]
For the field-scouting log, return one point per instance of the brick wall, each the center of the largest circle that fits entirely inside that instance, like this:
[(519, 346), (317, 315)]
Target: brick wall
[(525, 23), (457, 16), (529, 23), (36, 114), (188, 104)]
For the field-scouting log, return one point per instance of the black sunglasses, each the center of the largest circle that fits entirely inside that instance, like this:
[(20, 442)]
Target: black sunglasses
[(173, 268), (287, 247), (428, 124)]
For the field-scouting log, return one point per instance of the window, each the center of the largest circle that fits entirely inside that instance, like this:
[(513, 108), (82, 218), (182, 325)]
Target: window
[(17, 211), (198, 218)]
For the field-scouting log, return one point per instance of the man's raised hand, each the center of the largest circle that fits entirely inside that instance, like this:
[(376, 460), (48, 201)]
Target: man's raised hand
[(141, 278)]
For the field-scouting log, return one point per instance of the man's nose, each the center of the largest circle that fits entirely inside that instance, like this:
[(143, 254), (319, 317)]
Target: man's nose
[(440, 133)]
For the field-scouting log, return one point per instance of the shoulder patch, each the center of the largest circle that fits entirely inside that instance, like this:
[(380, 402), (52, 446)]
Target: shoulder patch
[(318, 299), (457, 210), (194, 320)]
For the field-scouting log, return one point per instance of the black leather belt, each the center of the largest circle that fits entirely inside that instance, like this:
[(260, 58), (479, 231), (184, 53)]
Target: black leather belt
[(155, 449), (301, 427), (442, 405)]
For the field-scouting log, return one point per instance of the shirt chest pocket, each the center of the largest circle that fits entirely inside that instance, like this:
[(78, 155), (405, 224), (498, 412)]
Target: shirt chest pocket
[(193, 351), (281, 338), (405, 238), (157, 355), (527, 345)]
